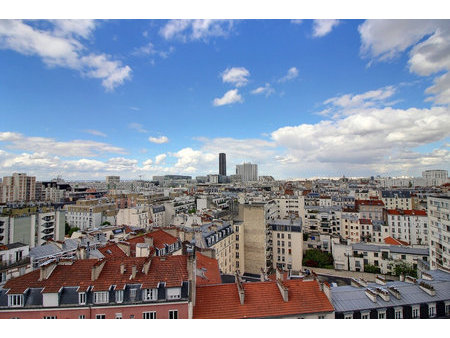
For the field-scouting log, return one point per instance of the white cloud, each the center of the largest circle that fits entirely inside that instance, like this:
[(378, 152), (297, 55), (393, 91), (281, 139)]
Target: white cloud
[(160, 158), (159, 140), (297, 21), (51, 146), (237, 76), (266, 90), (188, 158), (61, 48), (185, 30), (430, 41), (291, 74), (137, 126), (323, 26), (95, 132), (231, 96)]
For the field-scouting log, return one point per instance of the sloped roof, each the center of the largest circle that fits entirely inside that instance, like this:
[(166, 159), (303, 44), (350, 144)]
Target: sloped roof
[(262, 299), (392, 241), (207, 270)]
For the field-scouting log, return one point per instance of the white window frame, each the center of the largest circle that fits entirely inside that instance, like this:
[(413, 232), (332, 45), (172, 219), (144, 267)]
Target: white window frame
[(367, 314), (381, 314), (50, 317), (101, 297), (398, 313), (118, 315), (82, 298), (149, 294), (15, 300), (173, 312), (447, 308), (173, 293), (149, 315), (119, 296), (348, 315), (417, 309), (100, 316), (82, 317), (432, 310)]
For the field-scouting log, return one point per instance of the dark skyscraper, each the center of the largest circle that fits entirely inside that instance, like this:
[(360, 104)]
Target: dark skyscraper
[(222, 164)]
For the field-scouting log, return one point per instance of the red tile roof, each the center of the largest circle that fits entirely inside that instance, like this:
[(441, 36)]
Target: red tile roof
[(112, 250), (172, 270), (369, 202), (365, 221), (210, 270), (262, 299), (393, 241), (160, 238), (407, 212)]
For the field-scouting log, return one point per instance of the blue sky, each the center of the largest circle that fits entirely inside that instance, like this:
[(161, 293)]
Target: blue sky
[(84, 99)]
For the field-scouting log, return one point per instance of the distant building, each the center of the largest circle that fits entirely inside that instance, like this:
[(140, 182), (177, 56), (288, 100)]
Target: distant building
[(112, 182), (18, 188), (435, 177), (248, 172), (222, 164)]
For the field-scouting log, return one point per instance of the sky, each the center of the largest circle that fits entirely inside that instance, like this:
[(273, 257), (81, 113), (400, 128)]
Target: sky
[(84, 99)]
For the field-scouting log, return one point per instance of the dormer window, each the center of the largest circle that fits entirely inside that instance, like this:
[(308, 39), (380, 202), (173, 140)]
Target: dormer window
[(149, 294), (101, 297), (15, 300), (173, 293), (82, 298), (119, 296)]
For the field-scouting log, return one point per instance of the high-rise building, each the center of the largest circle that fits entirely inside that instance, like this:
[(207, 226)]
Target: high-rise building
[(248, 171), (18, 188), (222, 164), (112, 182), (439, 223)]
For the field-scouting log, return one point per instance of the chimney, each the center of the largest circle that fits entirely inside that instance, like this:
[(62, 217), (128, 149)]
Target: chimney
[(263, 275), (240, 287), (81, 252), (133, 272), (122, 268), (147, 264), (46, 270), (283, 290), (125, 247), (97, 269), (148, 240), (279, 274)]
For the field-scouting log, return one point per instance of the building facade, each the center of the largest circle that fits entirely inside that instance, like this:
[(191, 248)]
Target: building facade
[(439, 223)]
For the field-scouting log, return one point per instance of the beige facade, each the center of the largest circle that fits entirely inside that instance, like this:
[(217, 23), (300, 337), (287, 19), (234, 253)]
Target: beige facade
[(287, 242), (18, 188)]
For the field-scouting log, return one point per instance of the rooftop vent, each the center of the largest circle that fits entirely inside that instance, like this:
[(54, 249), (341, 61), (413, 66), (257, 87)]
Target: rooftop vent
[(395, 292), (428, 288), (371, 294)]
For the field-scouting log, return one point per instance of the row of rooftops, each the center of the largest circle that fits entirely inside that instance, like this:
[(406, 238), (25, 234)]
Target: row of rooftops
[(390, 248)]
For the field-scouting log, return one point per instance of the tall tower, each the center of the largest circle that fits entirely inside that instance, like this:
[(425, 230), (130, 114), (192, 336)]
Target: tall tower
[(222, 164)]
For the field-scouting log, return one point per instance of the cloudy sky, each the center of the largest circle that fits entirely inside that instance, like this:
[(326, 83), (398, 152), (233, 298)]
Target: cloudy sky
[(301, 98)]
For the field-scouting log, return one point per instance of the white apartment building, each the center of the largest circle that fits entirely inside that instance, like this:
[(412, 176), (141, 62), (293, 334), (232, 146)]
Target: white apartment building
[(290, 206), (158, 215), (135, 217), (397, 199), (248, 172), (435, 177), (18, 188), (439, 223), (86, 214), (287, 243), (410, 226)]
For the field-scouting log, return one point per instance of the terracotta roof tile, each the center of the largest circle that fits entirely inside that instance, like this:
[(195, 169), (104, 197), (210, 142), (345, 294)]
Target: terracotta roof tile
[(262, 299), (210, 268), (394, 241)]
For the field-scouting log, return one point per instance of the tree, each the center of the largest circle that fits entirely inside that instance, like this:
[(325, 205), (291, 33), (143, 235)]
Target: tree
[(317, 258), (67, 228), (305, 236), (405, 269), (371, 268), (72, 230), (106, 223)]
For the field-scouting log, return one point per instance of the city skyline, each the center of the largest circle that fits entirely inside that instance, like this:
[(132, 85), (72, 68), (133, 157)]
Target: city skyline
[(328, 98)]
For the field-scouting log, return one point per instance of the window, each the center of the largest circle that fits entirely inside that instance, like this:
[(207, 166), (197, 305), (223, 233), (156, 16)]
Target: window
[(3, 276), (49, 317), (398, 314), (149, 294), (403, 256), (119, 296), (348, 316), (102, 316), (149, 315), (289, 244), (365, 315), (118, 316), (81, 317), (289, 236), (278, 235), (381, 315), (173, 293), (321, 317), (431, 310), (131, 316), (133, 293), (82, 298), (101, 297), (447, 309), (173, 314), (15, 300)]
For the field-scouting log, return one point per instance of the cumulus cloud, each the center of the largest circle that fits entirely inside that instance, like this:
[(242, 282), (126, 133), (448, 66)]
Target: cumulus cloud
[(291, 74), (190, 30), (322, 27), (61, 46), (429, 43), (76, 148), (231, 96), (159, 140), (160, 158), (237, 76), (266, 90)]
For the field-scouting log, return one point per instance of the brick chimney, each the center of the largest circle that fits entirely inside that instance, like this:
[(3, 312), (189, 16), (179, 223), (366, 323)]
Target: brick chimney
[(97, 269), (133, 272), (147, 264)]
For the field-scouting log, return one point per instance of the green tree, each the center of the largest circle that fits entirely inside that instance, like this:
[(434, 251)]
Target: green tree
[(67, 228), (405, 269), (318, 258), (106, 223), (371, 268), (72, 230)]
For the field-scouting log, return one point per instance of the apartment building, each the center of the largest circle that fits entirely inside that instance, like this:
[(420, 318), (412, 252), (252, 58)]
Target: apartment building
[(136, 217), (86, 214), (410, 226), (32, 226), (248, 172), (439, 223), (435, 177), (18, 188), (428, 297), (290, 206), (287, 243), (397, 199), (354, 257), (132, 287), (14, 261), (370, 209)]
